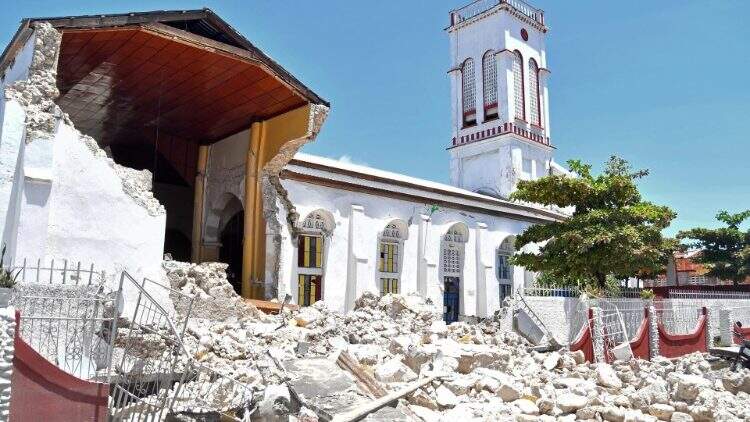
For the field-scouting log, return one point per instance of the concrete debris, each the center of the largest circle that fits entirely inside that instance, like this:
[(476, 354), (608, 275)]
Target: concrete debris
[(493, 374), (37, 93)]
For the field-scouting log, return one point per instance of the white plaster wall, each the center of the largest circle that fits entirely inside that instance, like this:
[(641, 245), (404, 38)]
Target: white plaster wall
[(19, 70), (12, 132), (74, 207), (495, 165), (225, 174), (556, 313), (376, 212)]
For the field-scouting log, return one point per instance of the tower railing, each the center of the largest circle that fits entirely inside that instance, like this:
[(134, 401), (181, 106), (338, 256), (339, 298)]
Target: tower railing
[(480, 6)]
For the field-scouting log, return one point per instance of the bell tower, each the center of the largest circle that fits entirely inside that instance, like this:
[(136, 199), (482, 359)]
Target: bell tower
[(499, 96)]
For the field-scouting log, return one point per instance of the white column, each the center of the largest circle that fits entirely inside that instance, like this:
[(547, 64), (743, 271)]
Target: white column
[(479, 90), (504, 60), (354, 256), (484, 291), (544, 91), (421, 259)]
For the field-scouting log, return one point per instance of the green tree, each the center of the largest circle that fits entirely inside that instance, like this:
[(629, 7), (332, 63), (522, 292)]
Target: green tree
[(725, 251), (611, 232)]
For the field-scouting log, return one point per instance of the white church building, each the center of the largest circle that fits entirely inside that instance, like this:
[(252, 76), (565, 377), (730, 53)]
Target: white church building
[(125, 137)]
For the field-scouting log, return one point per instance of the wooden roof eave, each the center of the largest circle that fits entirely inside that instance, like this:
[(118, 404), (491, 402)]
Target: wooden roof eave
[(152, 21)]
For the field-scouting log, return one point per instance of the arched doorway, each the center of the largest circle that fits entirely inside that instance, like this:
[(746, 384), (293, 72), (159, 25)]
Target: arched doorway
[(231, 238), (452, 269)]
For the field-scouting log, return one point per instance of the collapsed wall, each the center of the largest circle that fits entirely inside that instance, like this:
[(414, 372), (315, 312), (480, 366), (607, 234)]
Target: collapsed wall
[(68, 199)]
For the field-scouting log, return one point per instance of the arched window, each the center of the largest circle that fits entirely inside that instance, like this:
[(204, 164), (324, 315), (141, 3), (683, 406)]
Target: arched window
[(519, 100), (535, 112), (489, 85), (469, 93), (390, 247), (310, 260), (504, 269)]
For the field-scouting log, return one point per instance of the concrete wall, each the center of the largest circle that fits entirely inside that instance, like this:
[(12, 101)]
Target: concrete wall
[(356, 241)]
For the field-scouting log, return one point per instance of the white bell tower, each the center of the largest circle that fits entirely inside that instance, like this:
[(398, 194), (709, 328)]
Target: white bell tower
[(499, 96)]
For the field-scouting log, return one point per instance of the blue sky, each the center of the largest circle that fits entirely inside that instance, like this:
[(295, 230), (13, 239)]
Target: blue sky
[(662, 84)]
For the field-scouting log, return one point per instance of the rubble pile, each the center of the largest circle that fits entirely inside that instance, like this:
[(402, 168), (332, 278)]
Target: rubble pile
[(489, 373)]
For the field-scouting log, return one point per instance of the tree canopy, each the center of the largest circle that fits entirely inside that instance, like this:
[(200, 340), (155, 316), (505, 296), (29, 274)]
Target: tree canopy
[(725, 251), (612, 231)]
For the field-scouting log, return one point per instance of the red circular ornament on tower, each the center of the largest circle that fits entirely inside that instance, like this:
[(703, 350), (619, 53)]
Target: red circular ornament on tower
[(524, 34)]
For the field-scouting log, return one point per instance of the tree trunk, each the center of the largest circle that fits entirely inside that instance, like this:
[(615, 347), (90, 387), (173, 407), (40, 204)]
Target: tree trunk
[(601, 280)]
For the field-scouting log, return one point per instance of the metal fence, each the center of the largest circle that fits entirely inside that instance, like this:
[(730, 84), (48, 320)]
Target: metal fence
[(707, 294), (677, 318), (632, 312), (480, 6), (633, 293), (153, 373), (609, 333), (70, 326), (61, 271)]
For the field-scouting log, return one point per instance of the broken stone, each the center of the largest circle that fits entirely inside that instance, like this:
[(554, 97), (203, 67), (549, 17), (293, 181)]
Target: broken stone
[(394, 371), (570, 403), (445, 397)]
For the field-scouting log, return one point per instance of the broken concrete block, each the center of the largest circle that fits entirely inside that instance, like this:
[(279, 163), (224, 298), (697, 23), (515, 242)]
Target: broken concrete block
[(393, 370)]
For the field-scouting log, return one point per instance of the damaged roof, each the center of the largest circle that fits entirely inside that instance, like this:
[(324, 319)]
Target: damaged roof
[(203, 23)]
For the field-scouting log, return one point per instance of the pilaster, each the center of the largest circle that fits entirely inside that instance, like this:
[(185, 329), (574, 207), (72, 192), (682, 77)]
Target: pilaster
[(653, 331), (544, 91), (354, 258), (423, 222), (504, 62)]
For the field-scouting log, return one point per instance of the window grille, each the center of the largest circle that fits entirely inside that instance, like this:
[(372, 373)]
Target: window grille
[(503, 266), (534, 102), (451, 259), (468, 91), (489, 84), (518, 86)]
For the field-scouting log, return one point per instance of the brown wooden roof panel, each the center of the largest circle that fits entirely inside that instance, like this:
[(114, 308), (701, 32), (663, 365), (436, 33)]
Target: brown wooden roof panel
[(115, 82)]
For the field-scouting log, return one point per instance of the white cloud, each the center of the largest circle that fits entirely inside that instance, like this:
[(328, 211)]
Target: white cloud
[(347, 159)]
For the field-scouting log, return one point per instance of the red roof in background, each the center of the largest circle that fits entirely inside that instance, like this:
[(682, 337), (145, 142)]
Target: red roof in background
[(683, 262)]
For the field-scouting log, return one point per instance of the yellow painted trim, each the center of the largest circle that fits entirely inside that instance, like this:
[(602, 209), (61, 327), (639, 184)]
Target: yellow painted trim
[(267, 139), (200, 185), (251, 172)]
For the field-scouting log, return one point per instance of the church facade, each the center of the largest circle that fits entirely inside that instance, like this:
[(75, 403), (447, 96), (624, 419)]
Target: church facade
[(341, 229), (126, 137)]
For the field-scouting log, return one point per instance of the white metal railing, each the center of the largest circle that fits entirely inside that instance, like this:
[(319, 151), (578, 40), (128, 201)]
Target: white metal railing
[(60, 271), (632, 293), (480, 6), (707, 294), (70, 326), (677, 318)]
